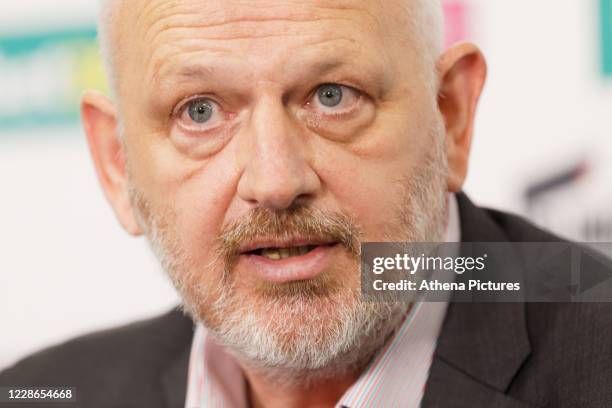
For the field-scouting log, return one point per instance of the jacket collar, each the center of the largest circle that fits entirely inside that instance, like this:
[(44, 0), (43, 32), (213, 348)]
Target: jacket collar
[(482, 345), (174, 379)]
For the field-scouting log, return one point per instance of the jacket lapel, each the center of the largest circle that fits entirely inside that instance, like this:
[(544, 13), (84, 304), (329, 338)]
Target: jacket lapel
[(449, 386), (482, 345), (173, 373), (174, 380)]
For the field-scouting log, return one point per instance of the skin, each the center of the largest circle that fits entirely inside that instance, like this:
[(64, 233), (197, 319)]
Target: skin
[(271, 145)]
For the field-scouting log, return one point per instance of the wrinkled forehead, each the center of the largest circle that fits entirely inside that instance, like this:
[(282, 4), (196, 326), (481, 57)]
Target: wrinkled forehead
[(148, 17), (156, 35)]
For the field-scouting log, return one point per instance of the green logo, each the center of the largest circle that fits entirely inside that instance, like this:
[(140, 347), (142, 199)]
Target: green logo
[(606, 36), (42, 76)]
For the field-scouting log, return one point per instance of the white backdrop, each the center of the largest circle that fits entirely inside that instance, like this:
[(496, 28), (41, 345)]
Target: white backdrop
[(66, 267)]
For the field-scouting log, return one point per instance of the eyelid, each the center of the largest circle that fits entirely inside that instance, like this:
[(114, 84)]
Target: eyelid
[(182, 105), (356, 93), (341, 85)]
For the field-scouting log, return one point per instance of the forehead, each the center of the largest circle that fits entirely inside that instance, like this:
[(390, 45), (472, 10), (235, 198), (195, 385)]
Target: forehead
[(161, 34), (236, 19)]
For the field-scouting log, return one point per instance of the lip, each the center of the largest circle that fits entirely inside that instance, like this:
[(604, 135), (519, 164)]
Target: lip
[(279, 243), (295, 268)]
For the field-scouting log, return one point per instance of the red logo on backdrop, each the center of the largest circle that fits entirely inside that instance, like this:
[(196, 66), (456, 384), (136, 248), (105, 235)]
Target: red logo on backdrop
[(456, 14)]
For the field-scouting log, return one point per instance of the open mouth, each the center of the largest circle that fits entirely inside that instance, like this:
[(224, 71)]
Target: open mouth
[(282, 261), (283, 253), (278, 253)]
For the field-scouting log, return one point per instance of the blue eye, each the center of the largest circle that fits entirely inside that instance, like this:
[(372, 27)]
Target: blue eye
[(200, 111), (330, 95)]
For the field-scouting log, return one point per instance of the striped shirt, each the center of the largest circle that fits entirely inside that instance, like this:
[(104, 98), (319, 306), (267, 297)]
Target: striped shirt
[(396, 377)]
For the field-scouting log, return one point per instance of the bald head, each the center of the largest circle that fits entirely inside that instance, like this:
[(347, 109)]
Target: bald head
[(421, 20)]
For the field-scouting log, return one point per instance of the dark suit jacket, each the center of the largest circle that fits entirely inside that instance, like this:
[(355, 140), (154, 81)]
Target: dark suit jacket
[(504, 355)]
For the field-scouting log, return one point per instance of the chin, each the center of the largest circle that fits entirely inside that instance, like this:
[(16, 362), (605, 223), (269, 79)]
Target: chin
[(302, 336)]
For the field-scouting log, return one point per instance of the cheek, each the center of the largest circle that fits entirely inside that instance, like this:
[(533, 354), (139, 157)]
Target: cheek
[(371, 193), (368, 180), (196, 193), (201, 206)]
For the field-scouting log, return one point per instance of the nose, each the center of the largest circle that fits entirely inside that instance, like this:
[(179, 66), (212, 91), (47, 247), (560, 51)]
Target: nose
[(277, 171)]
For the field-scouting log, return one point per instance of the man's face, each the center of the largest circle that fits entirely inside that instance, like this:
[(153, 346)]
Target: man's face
[(264, 141)]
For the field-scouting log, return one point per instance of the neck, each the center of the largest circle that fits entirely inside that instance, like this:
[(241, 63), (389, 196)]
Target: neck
[(271, 392)]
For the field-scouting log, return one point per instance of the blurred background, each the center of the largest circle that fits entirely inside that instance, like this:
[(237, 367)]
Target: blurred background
[(543, 148)]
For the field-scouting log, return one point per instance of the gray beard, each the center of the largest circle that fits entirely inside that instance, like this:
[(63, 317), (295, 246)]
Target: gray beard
[(306, 337)]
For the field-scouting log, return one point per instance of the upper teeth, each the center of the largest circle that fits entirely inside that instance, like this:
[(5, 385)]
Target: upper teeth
[(282, 253)]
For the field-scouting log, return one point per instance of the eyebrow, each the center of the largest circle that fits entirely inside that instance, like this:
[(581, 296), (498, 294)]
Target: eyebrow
[(183, 72), (193, 71), (199, 71), (218, 71)]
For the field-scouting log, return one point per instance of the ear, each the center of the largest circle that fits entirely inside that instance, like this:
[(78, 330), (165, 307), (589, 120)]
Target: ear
[(101, 126), (463, 72)]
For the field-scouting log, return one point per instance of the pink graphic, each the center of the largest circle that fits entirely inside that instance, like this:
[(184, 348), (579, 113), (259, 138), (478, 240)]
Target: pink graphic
[(456, 13)]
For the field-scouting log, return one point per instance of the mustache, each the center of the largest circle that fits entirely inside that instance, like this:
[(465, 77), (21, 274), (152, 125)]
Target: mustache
[(299, 222)]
